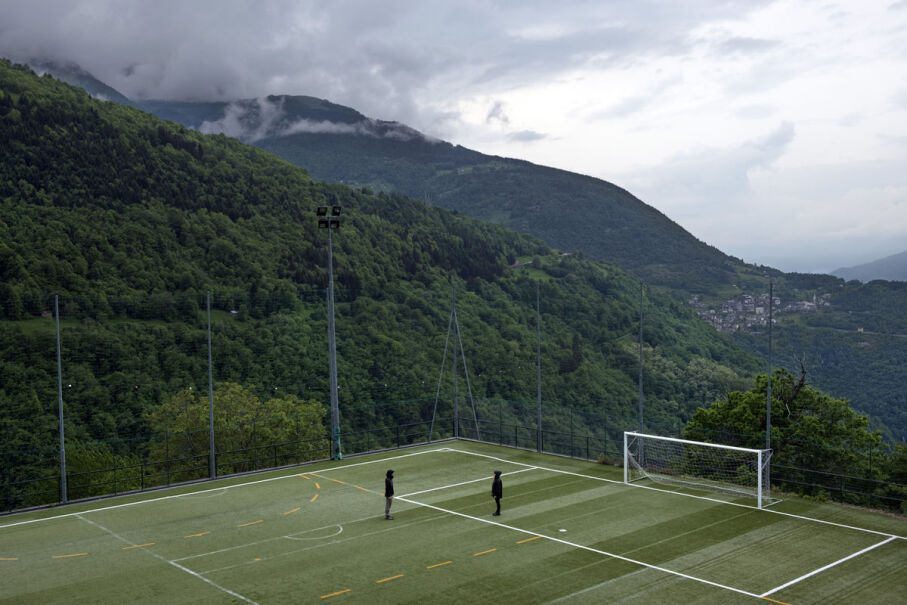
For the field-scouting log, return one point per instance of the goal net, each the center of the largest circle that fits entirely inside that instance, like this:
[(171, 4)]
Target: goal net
[(711, 466)]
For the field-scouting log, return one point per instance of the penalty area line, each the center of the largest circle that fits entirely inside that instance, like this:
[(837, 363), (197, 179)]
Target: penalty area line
[(684, 495), (167, 561), (586, 548), (829, 566), (434, 489)]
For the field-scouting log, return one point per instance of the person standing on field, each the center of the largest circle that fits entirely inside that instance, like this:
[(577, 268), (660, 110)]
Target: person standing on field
[(388, 493), (497, 492)]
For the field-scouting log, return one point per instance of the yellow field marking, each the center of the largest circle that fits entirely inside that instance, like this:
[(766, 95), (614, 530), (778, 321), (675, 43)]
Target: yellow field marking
[(293, 511), (304, 477), (338, 481), (774, 601), (78, 554), (251, 523), (439, 564), (315, 497), (529, 539), (334, 594), (257, 559), (484, 552), (138, 546), (362, 488), (317, 486), (316, 475), (204, 533), (389, 579), (9, 558)]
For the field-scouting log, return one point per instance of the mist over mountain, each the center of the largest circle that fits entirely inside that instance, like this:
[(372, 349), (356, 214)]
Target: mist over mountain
[(891, 268), (249, 120)]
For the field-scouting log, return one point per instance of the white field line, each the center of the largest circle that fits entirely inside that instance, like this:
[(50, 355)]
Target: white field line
[(274, 539), (391, 527), (213, 489), (667, 491), (266, 541), (829, 566), (582, 547), (596, 587), (434, 489), (173, 563)]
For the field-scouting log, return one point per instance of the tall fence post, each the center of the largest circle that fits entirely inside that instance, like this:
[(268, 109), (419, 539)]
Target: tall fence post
[(212, 465), (500, 423), (572, 446), (63, 490)]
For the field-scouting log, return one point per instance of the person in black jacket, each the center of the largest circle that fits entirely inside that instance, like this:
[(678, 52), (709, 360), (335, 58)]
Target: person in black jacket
[(497, 492), (388, 493)]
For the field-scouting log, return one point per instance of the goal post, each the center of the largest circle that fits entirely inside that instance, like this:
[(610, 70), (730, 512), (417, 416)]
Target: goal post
[(712, 466)]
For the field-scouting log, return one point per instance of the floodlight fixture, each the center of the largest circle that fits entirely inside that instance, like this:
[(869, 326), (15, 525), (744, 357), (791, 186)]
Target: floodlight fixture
[(330, 222)]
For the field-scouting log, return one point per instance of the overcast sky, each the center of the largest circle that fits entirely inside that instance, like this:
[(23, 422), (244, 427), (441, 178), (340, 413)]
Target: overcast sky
[(775, 131)]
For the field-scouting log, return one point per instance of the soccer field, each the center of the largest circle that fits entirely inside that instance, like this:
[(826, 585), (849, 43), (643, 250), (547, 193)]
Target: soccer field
[(570, 532)]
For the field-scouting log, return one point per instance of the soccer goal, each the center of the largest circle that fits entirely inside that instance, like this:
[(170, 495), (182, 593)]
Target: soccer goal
[(711, 466)]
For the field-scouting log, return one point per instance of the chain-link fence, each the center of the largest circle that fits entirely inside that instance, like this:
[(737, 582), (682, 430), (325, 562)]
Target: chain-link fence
[(103, 396)]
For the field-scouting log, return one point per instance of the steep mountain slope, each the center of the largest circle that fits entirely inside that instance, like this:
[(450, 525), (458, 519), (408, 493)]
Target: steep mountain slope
[(598, 219), (131, 220), (891, 268)]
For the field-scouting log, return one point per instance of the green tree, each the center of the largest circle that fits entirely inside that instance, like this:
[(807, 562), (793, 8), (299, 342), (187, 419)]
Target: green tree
[(249, 432), (95, 470), (811, 431)]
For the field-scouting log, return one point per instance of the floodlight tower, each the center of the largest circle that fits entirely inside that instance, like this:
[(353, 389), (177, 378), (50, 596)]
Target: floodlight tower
[(332, 222)]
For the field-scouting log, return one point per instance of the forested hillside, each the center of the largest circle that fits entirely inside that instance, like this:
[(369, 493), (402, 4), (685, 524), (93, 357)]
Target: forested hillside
[(131, 221), (577, 213)]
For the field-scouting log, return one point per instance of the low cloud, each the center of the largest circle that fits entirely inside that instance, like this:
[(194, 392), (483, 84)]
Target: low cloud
[(710, 178), (526, 136), (261, 118), (497, 114), (742, 45)]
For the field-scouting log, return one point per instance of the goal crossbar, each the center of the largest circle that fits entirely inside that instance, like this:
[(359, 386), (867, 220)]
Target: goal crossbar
[(712, 466)]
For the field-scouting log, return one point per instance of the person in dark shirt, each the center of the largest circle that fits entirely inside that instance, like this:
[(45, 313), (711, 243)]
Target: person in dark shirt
[(497, 492), (388, 493)]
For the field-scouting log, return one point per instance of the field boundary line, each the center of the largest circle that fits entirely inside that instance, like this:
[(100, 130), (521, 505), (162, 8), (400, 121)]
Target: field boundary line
[(587, 548), (165, 560), (667, 491), (829, 566), (205, 491), (434, 489)]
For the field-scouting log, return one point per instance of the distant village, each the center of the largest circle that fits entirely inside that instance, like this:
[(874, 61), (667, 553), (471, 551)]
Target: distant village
[(749, 312)]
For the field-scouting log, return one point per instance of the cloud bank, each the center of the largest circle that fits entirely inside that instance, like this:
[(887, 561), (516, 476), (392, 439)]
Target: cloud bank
[(726, 116)]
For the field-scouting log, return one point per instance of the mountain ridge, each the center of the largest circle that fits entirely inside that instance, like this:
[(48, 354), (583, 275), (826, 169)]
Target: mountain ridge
[(602, 221), (889, 268)]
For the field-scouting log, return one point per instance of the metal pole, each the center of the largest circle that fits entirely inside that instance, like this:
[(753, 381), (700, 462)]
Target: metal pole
[(768, 390), (431, 429), (332, 345), (212, 463), (63, 490), (472, 401), (456, 406), (538, 355), (641, 287)]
